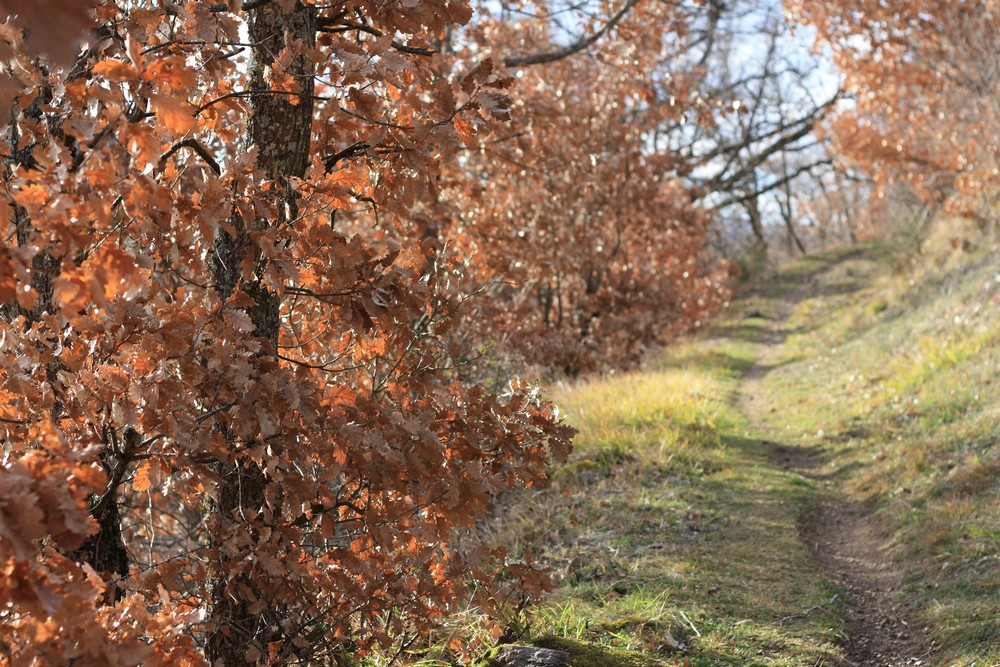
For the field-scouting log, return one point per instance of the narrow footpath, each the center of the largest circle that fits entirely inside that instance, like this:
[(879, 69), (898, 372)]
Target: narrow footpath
[(846, 541)]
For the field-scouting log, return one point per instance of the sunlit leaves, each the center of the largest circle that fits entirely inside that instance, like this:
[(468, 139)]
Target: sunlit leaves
[(925, 83), (131, 381), (585, 238), (115, 70)]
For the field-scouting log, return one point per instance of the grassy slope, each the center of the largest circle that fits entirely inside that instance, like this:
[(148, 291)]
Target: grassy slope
[(695, 530), (895, 378), (674, 533), (671, 530)]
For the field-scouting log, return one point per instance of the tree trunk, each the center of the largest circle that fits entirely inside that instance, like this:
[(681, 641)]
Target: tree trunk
[(757, 227), (105, 550), (788, 215), (280, 131)]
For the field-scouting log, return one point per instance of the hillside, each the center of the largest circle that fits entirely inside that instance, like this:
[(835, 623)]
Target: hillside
[(812, 482)]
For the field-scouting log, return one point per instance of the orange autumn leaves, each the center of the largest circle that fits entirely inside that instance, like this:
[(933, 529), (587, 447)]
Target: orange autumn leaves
[(132, 383), (42, 502), (191, 300), (925, 86), (170, 81), (445, 205)]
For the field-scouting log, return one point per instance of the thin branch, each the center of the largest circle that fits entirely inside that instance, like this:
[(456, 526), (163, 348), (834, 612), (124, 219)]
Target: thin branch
[(818, 607), (787, 178), (247, 5), (14, 421), (193, 42), (153, 566), (318, 367), (302, 291), (575, 47), (251, 93), (212, 413), (334, 26), (721, 182), (381, 123), (197, 148), (809, 119), (354, 150)]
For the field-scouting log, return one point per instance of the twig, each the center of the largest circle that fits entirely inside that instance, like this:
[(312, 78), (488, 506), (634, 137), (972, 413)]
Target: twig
[(328, 26), (224, 6), (354, 150), (4, 420), (690, 624), (818, 607), (197, 148), (251, 93), (153, 566), (575, 47), (211, 413)]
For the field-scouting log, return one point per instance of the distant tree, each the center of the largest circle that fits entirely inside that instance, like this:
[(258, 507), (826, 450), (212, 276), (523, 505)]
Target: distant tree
[(592, 239), (925, 81)]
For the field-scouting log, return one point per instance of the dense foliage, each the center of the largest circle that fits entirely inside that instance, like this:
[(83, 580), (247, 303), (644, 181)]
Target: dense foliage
[(230, 430), (924, 81)]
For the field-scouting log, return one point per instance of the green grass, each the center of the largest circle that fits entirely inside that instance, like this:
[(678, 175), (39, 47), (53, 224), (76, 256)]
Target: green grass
[(903, 397), (671, 532)]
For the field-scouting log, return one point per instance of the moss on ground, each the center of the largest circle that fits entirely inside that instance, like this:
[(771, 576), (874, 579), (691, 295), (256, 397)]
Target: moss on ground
[(586, 654)]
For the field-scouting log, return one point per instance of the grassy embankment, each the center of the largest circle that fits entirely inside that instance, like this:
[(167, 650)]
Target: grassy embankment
[(673, 530), (894, 379)]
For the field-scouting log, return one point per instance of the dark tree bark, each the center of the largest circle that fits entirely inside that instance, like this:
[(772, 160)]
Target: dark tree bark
[(787, 206), (105, 549), (280, 131), (756, 226)]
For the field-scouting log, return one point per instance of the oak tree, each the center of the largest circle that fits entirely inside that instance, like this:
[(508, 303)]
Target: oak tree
[(924, 82), (229, 427)]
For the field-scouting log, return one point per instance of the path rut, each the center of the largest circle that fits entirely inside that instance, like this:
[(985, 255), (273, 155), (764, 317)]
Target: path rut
[(852, 550)]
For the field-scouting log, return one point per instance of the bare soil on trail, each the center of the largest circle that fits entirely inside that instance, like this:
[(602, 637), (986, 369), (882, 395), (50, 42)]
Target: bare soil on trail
[(853, 551), (857, 556)]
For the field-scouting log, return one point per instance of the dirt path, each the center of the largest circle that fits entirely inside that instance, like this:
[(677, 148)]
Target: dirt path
[(844, 538), (856, 555)]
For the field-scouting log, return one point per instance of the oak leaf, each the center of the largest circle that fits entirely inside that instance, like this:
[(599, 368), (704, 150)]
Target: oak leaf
[(115, 70), (176, 114)]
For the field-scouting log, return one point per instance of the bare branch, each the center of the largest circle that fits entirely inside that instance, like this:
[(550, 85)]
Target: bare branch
[(334, 25), (354, 150), (787, 178), (247, 5), (575, 47), (197, 148)]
